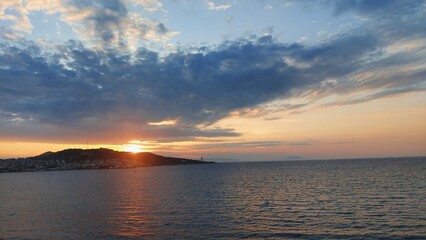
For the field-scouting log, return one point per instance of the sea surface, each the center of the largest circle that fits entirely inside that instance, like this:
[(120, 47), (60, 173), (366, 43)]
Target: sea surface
[(333, 199)]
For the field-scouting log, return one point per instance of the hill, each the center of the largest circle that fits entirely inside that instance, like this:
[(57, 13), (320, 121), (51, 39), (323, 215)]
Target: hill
[(102, 158)]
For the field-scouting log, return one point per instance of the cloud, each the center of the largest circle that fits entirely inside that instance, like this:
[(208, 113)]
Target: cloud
[(242, 144), (218, 7), (366, 7), (148, 5), (256, 144), (384, 93), (164, 122), (17, 14), (108, 22), (71, 92), (113, 24)]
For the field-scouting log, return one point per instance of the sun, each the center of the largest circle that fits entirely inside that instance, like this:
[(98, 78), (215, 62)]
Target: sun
[(133, 148)]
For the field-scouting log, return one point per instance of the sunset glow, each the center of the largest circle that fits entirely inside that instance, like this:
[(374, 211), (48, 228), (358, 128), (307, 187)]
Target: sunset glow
[(133, 148), (237, 80), (212, 119)]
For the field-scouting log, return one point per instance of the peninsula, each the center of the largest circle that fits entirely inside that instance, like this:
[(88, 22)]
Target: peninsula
[(102, 158)]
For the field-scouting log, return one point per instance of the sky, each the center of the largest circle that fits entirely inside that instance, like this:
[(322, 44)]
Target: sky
[(223, 80)]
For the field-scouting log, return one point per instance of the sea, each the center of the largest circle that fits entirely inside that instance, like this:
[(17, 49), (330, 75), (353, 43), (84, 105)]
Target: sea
[(322, 199)]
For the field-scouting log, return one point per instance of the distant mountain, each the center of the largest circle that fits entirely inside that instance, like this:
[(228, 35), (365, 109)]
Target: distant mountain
[(90, 159)]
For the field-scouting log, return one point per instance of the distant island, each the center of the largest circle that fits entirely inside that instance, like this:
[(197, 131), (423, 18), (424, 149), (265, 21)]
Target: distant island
[(102, 158)]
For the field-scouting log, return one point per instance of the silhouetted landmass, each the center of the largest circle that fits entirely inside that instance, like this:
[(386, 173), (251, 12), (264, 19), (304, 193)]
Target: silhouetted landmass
[(102, 158)]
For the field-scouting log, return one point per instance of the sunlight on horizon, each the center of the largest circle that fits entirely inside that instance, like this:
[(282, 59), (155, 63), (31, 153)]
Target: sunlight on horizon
[(133, 148)]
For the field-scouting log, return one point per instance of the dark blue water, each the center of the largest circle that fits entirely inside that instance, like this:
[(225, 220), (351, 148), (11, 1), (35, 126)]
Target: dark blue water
[(345, 199)]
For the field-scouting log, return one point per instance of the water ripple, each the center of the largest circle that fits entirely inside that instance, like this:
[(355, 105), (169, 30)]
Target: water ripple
[(359, 199)]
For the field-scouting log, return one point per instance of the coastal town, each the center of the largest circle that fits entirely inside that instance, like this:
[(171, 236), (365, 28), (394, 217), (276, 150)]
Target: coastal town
[(73, 159)]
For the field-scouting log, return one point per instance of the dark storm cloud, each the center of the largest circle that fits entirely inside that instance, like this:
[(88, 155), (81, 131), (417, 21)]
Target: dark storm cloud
[(73, 92)]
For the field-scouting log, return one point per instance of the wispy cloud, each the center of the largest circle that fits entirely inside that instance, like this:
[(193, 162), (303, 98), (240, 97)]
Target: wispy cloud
[(256, 144), (219, 7), (148, 5), (163, 123)]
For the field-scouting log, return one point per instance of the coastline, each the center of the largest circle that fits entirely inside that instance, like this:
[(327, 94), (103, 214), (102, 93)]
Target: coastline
[(78, 159)]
